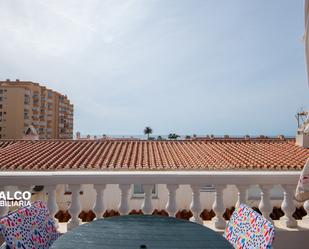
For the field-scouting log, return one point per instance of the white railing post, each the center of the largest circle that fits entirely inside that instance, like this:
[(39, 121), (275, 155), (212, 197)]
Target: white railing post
[(4, 209), (24, 188), (218, 208), (306, 207), (241, 195), (52, 202), (98, 207), (123, 207), (147, 203), (265, 205), (171, 205), (195, 205), (288, 206), (75, 207)]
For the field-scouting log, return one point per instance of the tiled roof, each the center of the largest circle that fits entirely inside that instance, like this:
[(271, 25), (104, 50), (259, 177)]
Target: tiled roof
[(5, 143), (207, 154)]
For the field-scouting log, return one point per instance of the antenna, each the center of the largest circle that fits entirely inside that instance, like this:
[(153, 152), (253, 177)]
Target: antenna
[(301, 117)]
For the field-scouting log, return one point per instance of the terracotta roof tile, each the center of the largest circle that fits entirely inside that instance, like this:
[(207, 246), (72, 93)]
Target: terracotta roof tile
[(207, 154), (4, 143)]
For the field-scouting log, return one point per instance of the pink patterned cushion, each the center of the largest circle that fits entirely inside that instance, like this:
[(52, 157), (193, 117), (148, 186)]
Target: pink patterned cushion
[(248, 229), (29, 227)]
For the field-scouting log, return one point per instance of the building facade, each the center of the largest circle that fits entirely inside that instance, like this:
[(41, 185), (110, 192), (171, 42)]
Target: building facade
[(25, 103)]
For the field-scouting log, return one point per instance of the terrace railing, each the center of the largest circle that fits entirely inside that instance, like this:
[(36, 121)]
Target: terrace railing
[(124, 179)]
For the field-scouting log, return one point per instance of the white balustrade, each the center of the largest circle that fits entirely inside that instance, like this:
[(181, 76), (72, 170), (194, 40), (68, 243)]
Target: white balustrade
[(306, 207), (171, 205), (147, 203), (288, 206), (124, 199), (75, 207), (195, 206), (98, 207), (265, 205), (51, 201), (218, 208), (172, 181), (241, 195)]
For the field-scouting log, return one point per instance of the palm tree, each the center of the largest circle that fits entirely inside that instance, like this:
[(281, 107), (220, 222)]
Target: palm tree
[(147, 131)]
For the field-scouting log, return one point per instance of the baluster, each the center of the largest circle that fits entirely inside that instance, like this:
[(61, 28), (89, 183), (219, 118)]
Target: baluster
[(306, 207), (75, 207), (124, 201), (218, 208), (4, 209), (147, 203), (241, 195), (52, 202), (98, 208), (288, 206), (24, 188), (171, 205), (195, 205), (265, 205)]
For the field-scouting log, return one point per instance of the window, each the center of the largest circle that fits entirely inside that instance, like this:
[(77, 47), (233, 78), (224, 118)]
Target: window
[(138, 191), (26, 115), (1, 98), (27, 99), (1, 91), (0, 106)]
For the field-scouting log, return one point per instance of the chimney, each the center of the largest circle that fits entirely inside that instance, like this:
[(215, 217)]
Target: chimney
[(31, 134), (302, 135), (78, 135)]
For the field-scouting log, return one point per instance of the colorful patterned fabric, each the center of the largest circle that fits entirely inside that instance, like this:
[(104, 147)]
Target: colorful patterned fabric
[(248, 229), (29, 227)]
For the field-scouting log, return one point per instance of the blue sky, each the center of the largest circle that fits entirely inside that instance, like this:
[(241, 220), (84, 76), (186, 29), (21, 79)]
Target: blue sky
[(202, 66)]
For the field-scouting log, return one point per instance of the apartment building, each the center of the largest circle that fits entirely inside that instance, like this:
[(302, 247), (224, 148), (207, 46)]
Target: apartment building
[(25, 103)]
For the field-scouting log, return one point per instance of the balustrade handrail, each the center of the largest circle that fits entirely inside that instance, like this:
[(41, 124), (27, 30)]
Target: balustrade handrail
[(149, 177)]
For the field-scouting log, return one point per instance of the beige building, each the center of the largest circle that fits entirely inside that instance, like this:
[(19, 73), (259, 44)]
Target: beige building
[(25, 103)]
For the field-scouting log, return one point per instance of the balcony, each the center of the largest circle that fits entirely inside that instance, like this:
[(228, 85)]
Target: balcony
[(106, 192), (42, 123), (27, 105)]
